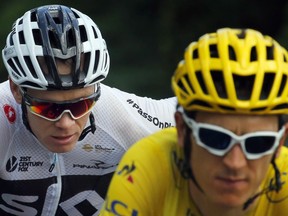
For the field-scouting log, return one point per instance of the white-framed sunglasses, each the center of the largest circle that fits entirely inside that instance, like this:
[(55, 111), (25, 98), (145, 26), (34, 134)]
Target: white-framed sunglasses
[(218, 141), (53, 111)]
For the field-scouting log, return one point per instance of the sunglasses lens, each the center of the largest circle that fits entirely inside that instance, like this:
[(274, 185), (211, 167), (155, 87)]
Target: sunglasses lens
[(259, 144), (47, 110), (214, 139), (79, 108)]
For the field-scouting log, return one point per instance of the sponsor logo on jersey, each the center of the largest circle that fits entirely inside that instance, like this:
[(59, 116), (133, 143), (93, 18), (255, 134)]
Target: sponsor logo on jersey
[(10, 113), (87, 147), (33, 197), (21, 164), (98, 148), (95, 164), (149, 118), (126, 172), (118, 207)]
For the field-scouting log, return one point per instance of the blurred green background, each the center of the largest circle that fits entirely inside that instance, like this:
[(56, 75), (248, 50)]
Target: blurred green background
[(146, 38)]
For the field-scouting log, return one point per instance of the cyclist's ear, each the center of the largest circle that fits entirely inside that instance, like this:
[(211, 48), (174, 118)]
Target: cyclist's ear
[(181, 128), (15, 91)]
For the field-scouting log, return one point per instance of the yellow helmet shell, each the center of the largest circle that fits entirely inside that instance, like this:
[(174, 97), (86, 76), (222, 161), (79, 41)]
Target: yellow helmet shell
[(233, 71)]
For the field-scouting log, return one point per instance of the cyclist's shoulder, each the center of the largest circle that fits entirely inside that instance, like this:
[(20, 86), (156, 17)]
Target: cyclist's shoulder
[(160, 143), (10, 110), (282, 157), (161, 138), (5, 89), (121, 94), (6, 94)]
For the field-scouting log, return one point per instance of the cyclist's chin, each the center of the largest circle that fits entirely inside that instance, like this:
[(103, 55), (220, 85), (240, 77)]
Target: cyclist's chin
[(231, 200)]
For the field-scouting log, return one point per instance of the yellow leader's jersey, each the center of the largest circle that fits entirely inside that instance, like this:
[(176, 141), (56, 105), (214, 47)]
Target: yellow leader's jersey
[(147, 182)]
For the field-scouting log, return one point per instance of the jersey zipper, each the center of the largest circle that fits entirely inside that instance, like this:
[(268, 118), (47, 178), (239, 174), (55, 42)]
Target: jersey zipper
[(56, 165)]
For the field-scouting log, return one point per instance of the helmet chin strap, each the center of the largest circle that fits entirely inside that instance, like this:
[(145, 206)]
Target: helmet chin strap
[(275, 185), (186, 169), (91, 128), (24, 116)]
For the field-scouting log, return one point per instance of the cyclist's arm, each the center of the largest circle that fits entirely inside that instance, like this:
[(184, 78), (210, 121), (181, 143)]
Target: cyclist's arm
[(132, 117)]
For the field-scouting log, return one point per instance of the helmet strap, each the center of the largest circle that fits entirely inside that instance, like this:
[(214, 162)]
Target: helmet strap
[(91, 128), (186, 169), (24, 116), (275, 185)]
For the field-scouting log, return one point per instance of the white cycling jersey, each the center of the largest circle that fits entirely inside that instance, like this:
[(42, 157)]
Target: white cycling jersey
[(35, 181)]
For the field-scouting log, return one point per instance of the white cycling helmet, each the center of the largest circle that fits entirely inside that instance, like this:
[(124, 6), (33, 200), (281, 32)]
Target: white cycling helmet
[(52, 32)]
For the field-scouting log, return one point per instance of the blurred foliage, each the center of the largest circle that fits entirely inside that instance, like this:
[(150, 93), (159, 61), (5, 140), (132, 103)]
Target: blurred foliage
[(146, 38)]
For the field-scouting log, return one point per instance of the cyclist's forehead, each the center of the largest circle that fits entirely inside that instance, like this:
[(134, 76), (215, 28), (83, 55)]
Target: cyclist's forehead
[(61, 95), (240, 123)]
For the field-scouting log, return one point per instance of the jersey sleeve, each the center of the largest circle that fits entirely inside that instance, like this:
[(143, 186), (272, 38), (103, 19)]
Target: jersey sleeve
[(136, 188), (10, 118)]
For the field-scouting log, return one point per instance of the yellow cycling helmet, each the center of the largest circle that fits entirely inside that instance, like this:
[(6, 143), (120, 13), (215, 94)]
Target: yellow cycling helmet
[(233, 71)]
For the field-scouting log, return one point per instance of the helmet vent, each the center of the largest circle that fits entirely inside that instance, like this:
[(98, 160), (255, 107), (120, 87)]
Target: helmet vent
[(253, 54), (187, 82), (21, 37), (267, 85), (243, 86), (37, 37), (20, 22), (13, 66), (232, 55), (54, 42), (218, 80), (282, 85), (83, 34), (201, 81), (213, 51), (259, 109), (94, 31), (97, 56), (200, 103), (281, 106), (75, 14), (70, 38), (30, 66), (33, 17), (195, 54), (270, 53), (284, 58), (227, 108)]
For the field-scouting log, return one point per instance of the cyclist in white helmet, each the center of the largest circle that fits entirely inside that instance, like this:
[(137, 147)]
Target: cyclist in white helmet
[(226, 155), (63, 132)]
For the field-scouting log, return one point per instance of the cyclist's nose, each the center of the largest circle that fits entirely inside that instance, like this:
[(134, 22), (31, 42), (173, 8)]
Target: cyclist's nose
[(235, 158), (65, 121)]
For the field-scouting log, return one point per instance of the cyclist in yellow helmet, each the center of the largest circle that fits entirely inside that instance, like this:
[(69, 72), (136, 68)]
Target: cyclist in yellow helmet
[(226, 155)]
